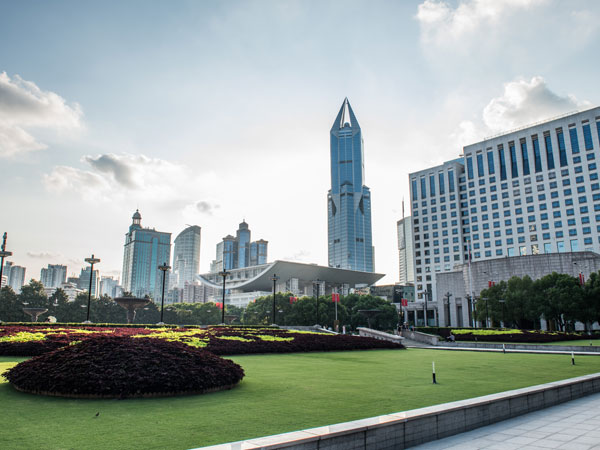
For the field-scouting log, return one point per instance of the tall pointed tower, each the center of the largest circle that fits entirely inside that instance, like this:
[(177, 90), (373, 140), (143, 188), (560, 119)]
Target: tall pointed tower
[(349, 200)]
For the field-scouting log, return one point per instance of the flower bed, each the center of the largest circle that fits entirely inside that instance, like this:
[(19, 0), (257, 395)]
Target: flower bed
[(120, 367), (506, 335), (31, 341)]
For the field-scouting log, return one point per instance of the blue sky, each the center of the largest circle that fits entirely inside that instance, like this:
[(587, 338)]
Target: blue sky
[(211, 112)]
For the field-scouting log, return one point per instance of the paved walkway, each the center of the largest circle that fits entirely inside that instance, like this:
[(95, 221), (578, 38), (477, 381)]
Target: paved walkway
[(574, 425)]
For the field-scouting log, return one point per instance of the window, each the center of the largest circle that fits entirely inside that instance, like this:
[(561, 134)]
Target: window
[(549, 154), (451, 182), (441, 183), (414, 190), (480, 171), (502, 163), (536, 153), (574, 245), (470, 168), (423, 188), (525, 157), (562, 151), (574, 140), (587, 137), (490, 161), (432, 185)]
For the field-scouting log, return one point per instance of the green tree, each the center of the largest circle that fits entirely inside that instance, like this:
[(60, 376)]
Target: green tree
[(10, 306), (495, 296), (557, 296)]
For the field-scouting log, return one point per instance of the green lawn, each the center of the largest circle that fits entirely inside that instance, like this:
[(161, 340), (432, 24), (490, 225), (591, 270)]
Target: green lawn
[(280, 393), (577, 342)]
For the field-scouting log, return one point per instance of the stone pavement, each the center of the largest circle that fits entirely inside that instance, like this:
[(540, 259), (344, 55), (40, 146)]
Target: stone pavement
[(574, 425)]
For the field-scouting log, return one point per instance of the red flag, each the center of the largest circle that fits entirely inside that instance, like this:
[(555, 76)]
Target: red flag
[(581, 279), (293, 299), (219, 305), (335, 297), (404, 302)]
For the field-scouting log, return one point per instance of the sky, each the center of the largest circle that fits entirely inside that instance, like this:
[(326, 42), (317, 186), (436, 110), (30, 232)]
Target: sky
[(209, 112)]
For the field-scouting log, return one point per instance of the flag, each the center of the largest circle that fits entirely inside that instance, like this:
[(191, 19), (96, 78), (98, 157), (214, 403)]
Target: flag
[(293, 299), (491, 284), (581, 279), (404, 302), (335, 297), (219, 305)]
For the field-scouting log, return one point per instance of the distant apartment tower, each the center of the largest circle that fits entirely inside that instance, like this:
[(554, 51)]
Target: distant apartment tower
[(84, 281), (186, 257), (54, 275), (145, 250), (350, 244), (15, 276), (240, 251), (405, 251), (108, 286), (530, 191)]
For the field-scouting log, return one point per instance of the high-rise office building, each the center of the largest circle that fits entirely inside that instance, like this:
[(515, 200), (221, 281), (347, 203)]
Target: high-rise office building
[(186, 261), (108, 286), (54, 275), (15, 276), (240, 251), (145, 250), (527, 192), (349, 200), (84, 281), (405, 251)]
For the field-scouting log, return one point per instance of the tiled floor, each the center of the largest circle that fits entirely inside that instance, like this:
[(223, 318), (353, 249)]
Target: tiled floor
[(573, 425)]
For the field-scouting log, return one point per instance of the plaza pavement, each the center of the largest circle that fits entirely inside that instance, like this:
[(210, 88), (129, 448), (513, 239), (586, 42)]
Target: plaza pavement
[(574, 425)]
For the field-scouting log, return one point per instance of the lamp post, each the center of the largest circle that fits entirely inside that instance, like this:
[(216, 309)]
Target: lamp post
[(448, 295), (426, 294), (274, 279), (224, 274), (164, 269), (317, 299), (3, 254), (91, 261), (487, 322), (502, 301)]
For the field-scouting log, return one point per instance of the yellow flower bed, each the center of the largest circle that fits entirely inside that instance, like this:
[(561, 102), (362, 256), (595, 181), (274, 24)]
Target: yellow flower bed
[(485, 332)]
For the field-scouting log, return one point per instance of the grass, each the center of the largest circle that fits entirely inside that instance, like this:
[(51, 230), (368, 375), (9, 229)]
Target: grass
[(281, 392), (576, 342)]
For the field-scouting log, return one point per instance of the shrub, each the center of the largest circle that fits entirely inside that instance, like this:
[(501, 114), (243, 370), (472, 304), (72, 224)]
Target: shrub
[(120, 367)]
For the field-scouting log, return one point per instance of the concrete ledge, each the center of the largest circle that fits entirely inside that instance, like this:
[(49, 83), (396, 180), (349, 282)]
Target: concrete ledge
[(376, 334), (424, 338), (409, 428), (522, 347)]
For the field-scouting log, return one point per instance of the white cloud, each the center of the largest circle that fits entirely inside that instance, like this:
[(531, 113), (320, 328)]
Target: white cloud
[(24, 105), (43, 255), (111, 177), (524, 102), (441, 22)]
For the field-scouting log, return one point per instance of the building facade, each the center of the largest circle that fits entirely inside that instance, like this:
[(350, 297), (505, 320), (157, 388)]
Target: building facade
[(108, 286), (350, 244), (527, 192), (239, 251), (406, 264), (145, 250), (84, 281), (186, 257), (15, 276), (54, 275)]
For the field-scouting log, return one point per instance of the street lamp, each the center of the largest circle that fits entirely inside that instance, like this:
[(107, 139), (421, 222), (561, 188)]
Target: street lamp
[(487, 323), (317, 283), (224, 274), (3, 254), (448, 295), (91, 261), (502, 301), (426, 294), (274, 279), (164, 269)]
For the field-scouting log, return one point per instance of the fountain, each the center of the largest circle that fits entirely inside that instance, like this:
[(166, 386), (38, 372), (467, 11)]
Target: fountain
[(131, 304), (34, 313), (369, 313)]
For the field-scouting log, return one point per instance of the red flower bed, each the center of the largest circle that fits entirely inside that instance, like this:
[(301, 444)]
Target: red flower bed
[(36, 340), (109, 367)]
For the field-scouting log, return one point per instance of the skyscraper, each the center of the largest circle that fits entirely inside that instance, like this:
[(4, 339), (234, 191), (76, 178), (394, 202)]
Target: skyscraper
[(84, 281), (349, 200), (15, 276), (186, 257), (145, 250), (240, 251), (54, 275), (405, 251)]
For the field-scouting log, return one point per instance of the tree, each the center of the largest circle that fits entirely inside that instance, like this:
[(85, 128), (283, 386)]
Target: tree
[(10, 306), (557, 296), (495, 296)]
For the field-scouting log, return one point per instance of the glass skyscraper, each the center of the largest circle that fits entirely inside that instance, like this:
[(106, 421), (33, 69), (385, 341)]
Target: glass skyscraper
[(240, 251), (349, 200), (145, 250), (186, 257)]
